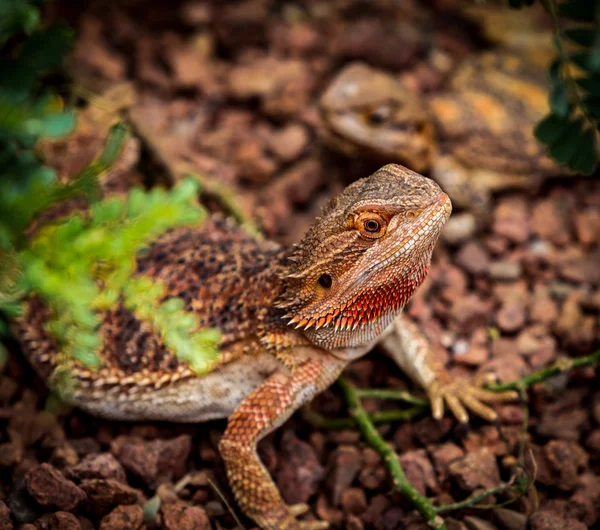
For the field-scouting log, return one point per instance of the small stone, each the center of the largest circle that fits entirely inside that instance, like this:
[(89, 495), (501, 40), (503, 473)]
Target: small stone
[(460, 228), (511, 219), (419, 471), (354, 501), (476, 523), (5, 522), (546, 520), (511, 317), (550, 221), (156, 461), (473, 258), (123, 518), (179, 516), (63, 521), (11, 454), (345, 463), (567, 459), (443, 455), (49, 487), (587, 226), (478, 469), (289, 143), (505, 270), (300, 473), (104, 494), (102, 465), (511, 519)]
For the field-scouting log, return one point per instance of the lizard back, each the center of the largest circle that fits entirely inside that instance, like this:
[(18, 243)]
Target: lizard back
[(225, 277)]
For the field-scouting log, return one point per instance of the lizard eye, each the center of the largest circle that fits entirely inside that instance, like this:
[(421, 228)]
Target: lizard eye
[(371, 225), (325, 281), (379, 115)]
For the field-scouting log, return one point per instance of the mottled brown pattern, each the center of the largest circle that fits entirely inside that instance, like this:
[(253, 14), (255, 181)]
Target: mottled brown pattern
[(284, 316)]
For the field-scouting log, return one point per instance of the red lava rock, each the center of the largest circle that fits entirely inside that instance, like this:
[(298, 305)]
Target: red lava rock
[(300, 472), (354, 523), (289, 142), (511, 219), (345, 463), (63, 521), (537, 345), (587, 226), (511, 317), (49, 487), (543, 309), (564, 424), (460, 228), (473, 258), (327, 512), (180, 516), (505, 270), (156, 461), (470, 312), (566, 459), (443, 455), (550, 220), (5, 522), (104, 494), (419, 471), (354, 501), (478, 469), (123, 518), (586, 499), (506, 367), (103, 465), (546, 520), (11, 454), (429, 430)]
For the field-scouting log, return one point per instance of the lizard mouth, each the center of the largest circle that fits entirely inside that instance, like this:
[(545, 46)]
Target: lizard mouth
[(384, 287)]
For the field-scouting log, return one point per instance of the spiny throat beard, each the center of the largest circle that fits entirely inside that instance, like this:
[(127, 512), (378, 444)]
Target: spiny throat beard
[(364, 316)]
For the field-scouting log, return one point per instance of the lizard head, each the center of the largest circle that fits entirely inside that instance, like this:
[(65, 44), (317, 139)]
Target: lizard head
[(366, 110), (361, 261)]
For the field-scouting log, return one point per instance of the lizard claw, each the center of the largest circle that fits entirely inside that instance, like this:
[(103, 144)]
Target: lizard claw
[(460, 395), (288, 520), (299, 509)]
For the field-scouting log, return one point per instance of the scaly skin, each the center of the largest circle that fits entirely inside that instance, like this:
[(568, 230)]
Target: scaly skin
[(291, 320), (474, 138)]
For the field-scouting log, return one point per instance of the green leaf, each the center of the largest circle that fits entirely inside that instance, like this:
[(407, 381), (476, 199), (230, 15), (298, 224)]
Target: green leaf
[(550, 128), (559, 100), (563, 149), (584, 60), (591, 104), (591, 84), (582, 36), (47, 48), (585, 159), (583, 10), (59, 125), (594, 61)]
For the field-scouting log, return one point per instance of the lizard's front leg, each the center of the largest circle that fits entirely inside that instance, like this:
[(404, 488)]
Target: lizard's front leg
[(411, 350), (261, 412)]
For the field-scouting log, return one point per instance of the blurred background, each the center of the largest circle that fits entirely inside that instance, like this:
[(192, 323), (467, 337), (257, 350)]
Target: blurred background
[(272, 108)]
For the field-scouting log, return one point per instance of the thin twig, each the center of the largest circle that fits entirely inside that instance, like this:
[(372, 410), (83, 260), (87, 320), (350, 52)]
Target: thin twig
[(390, 458), (473, 500), (394, 395), (559, 367)]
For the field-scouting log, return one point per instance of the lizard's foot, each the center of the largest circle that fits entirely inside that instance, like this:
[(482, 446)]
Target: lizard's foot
[(460, 394), (290, 521)]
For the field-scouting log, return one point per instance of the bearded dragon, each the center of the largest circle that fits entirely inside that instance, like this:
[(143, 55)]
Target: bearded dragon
[(291, 320)]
